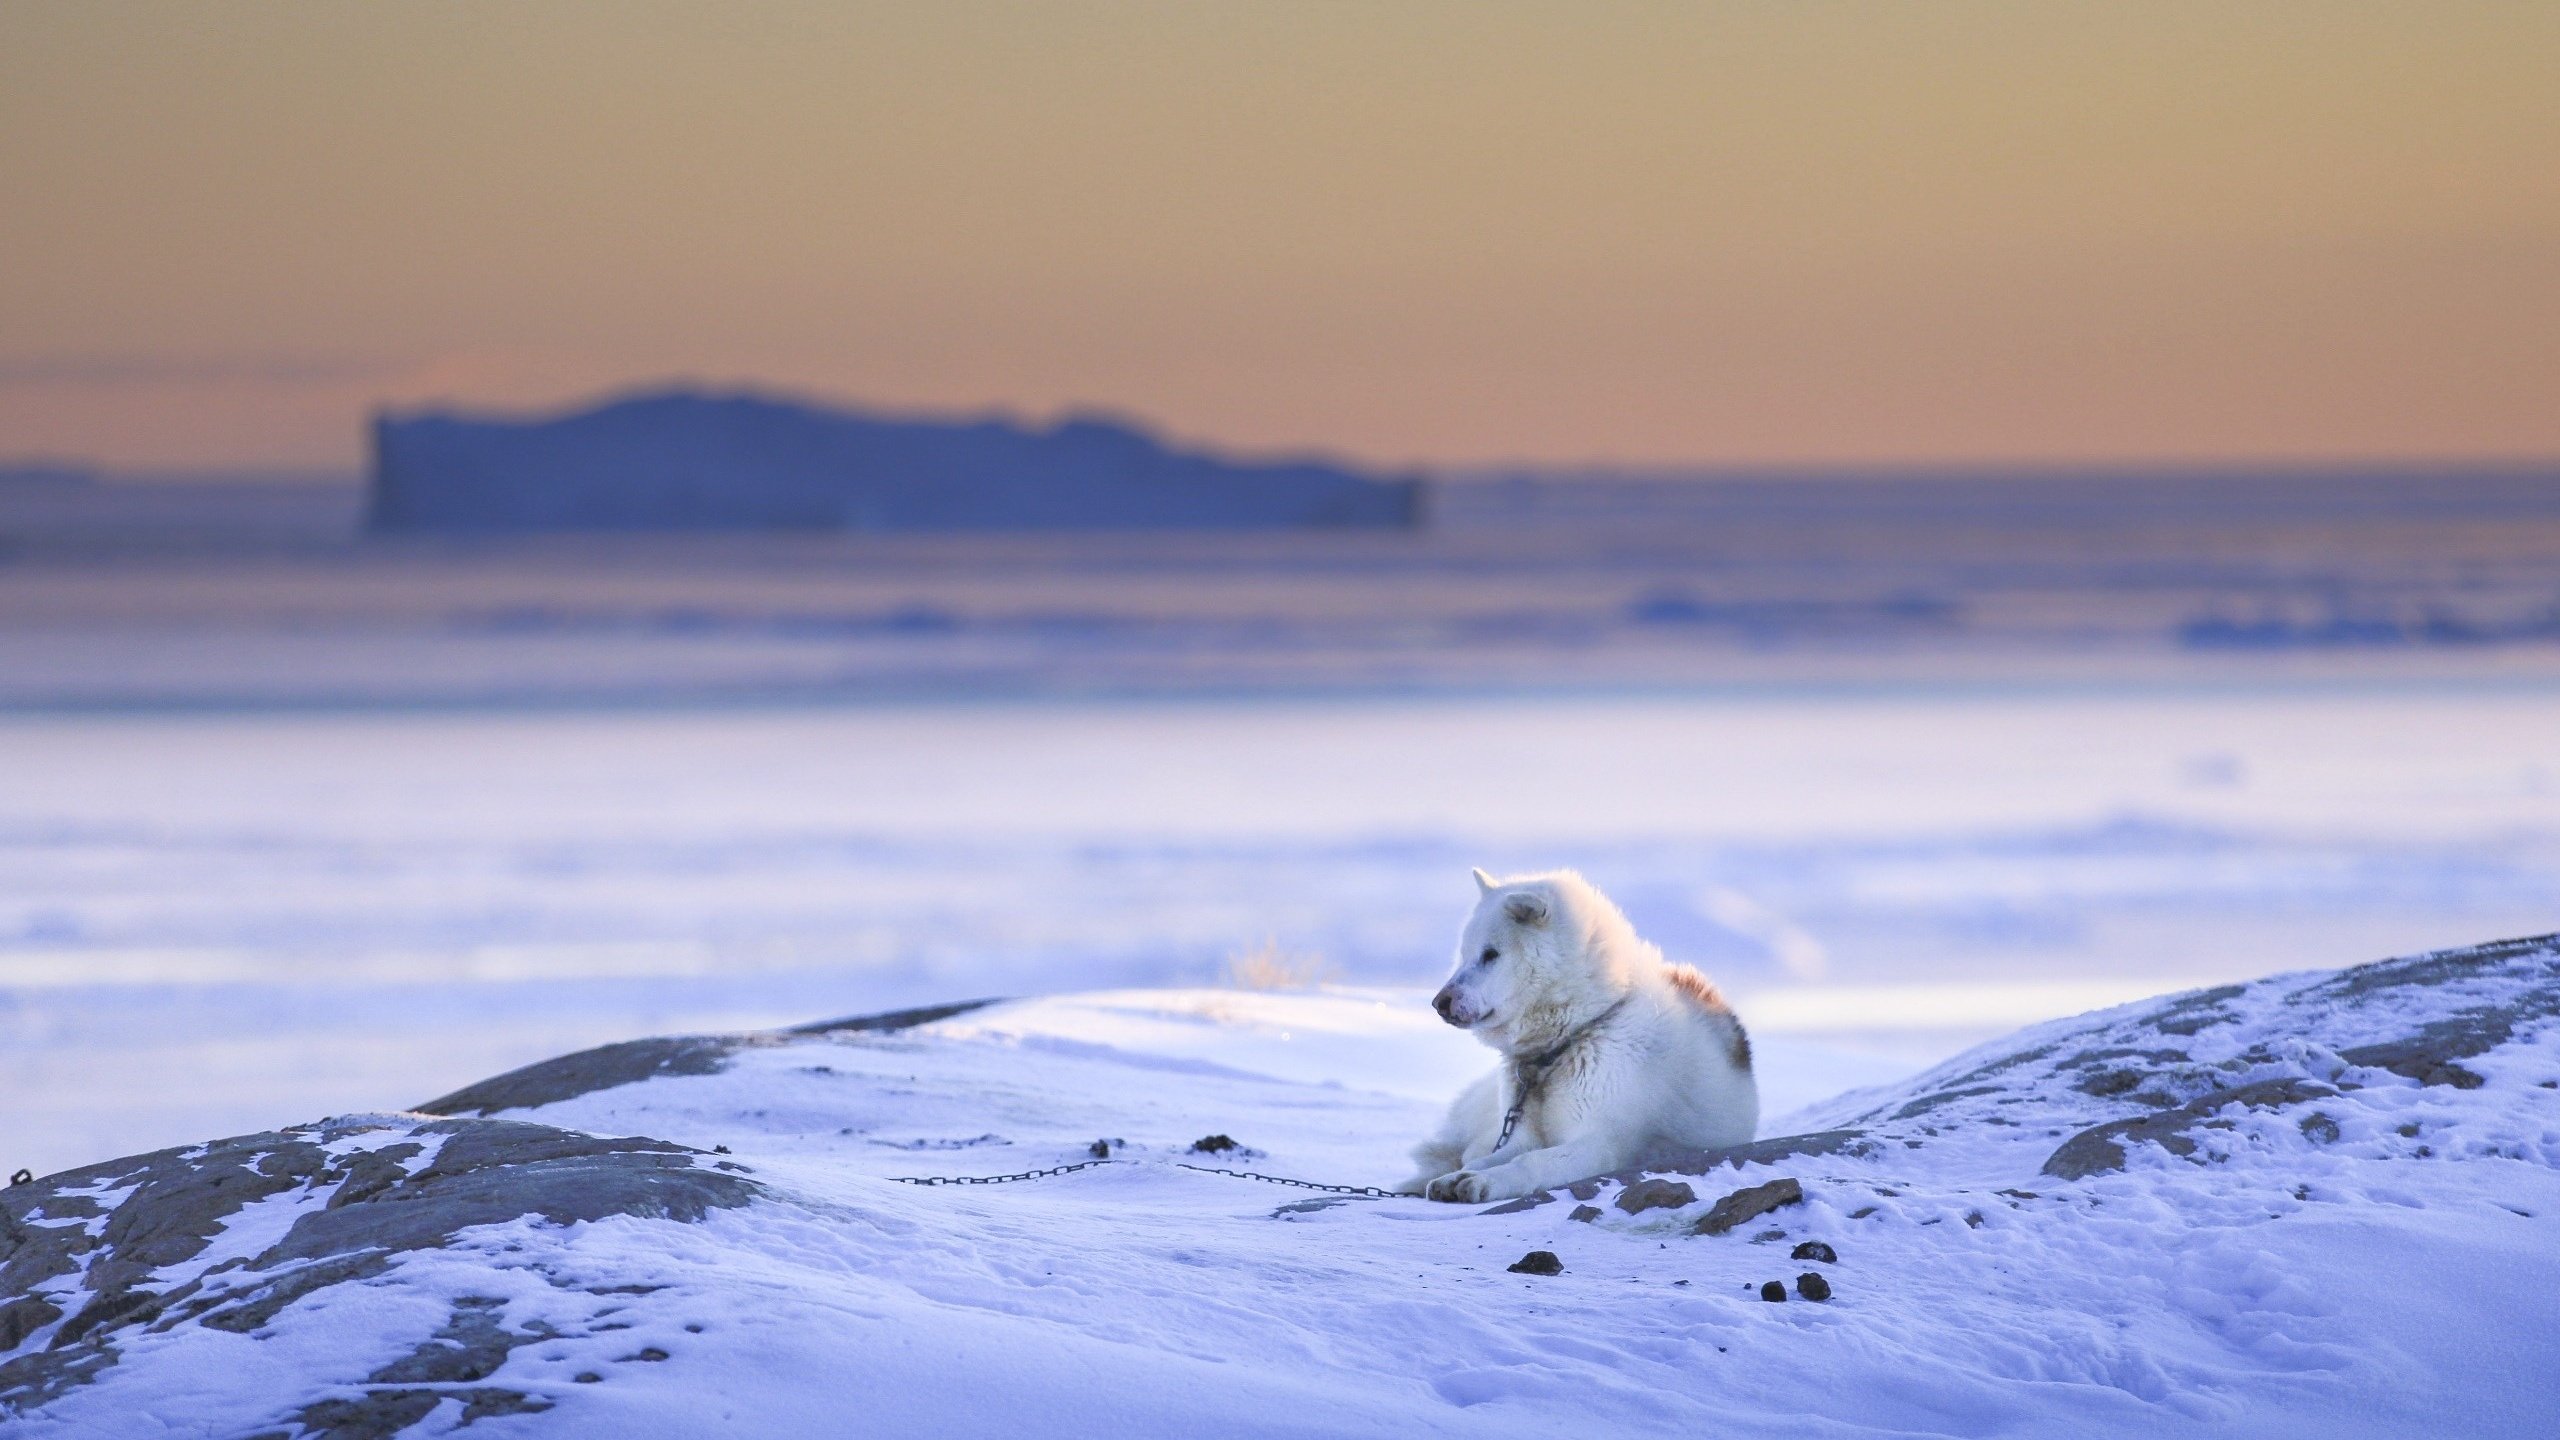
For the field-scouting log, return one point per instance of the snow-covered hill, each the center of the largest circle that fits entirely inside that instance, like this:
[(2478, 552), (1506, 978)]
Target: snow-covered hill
[(2320, 1204)]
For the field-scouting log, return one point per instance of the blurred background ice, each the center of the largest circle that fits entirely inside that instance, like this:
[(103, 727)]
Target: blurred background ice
[(298, 821)]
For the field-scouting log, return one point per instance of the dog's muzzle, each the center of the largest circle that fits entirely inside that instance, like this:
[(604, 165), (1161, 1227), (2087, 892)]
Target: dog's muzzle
[(1446, 1002)]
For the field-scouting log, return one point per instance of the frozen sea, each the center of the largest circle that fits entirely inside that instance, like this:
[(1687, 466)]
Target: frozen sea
[(214, 921)]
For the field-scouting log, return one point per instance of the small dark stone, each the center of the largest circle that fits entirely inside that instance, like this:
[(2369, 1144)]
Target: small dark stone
[(1812, 1286), (1815, 1250), (586, 1377), (1584, 1213), (1655, 1194), (1537, 1262), (1765, 1236), (2319, 1129), (1973, 1219), (1862, 1212), (649, 1352), (2409, 1129), (1213, 1145), (1101, 1149), (1774, 1290), (719, 1149)]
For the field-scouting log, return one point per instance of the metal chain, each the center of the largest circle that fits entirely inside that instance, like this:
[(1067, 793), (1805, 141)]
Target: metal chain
[(999, 1179), (1371, 1191)]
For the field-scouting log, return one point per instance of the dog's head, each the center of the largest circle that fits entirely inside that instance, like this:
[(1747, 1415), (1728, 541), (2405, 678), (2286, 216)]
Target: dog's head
[(1531, 961)]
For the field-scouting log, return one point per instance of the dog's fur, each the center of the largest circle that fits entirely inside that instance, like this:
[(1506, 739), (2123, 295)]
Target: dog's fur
[(1671, 1066)]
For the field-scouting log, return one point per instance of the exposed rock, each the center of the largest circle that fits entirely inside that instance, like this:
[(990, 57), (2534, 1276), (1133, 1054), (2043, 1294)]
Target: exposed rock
[(1927, 1103), (472, 1345), (888, 1020), (2101, 1148), (1813, 1286), (2109, 1082), (1773, 1290), (628, 1062), (1815, 1250), (2192, 1012), (2439, 967), (1655, 1195), (2428, 1057), (1585, 1213), (1758, 1152), (1537, 1262), (482, 1172), (1748, 1203)]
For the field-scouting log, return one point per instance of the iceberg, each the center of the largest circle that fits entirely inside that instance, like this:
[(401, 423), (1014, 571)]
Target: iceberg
[(691, 460)]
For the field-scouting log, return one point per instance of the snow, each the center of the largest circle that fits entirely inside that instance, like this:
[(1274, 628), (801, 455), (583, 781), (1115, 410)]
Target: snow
[(219, 923), (2398, 1278)]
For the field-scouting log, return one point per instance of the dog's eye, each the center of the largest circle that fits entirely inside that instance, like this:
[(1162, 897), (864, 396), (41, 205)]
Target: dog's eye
[(1489, 956)]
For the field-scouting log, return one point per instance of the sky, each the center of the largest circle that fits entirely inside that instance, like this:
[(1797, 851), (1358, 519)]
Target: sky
[(1447, 234)]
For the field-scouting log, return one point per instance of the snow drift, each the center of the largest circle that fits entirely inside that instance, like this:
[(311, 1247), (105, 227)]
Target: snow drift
[(2318, 1204)]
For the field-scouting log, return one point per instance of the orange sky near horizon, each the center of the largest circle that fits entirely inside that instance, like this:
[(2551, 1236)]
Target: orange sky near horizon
[(1767, 233)]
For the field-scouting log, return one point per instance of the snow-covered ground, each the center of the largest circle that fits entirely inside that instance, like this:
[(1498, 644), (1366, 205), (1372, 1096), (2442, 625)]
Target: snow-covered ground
[(212, 923), (2320, 1205)]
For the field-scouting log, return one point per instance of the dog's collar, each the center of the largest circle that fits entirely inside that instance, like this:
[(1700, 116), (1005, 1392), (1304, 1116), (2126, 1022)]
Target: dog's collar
[(1532, 1072)]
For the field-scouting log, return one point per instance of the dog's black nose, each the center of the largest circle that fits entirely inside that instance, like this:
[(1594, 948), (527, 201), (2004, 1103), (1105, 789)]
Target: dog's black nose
[(1441, 1002)]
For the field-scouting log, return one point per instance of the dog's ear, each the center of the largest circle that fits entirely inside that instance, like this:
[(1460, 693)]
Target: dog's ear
[(1485, 884), (1525, 908)]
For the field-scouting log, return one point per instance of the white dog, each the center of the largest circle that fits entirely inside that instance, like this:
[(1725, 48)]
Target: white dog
[(1607, 1050)]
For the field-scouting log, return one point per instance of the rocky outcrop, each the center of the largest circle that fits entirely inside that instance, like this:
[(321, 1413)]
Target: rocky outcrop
[(2160, 1074), (628, 1062), (93, 1257)]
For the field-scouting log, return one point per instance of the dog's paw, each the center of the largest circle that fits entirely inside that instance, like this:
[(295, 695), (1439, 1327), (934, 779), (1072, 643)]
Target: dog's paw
[(1465, 1187)]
